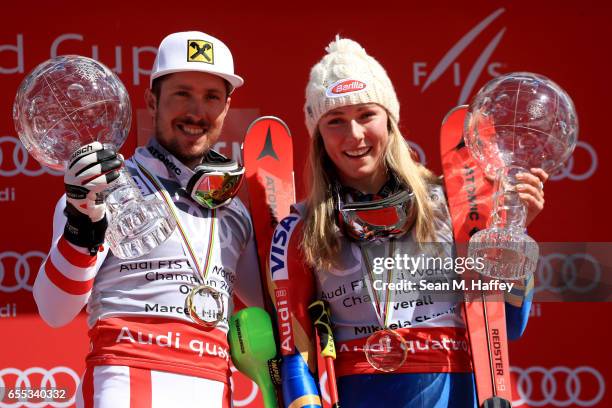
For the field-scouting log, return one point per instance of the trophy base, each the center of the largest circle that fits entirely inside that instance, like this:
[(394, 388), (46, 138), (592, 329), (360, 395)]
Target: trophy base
[(506, 253), (139, 228), (137, 225)]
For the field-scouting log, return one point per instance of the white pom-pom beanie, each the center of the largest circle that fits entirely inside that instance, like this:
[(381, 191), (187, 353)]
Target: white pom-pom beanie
[(347, 75)]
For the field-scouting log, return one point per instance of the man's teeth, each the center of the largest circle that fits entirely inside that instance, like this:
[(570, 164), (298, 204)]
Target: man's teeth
[(357, 152), (193, 130)]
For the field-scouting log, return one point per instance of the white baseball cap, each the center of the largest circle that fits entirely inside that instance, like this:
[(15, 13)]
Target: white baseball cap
[(194, 51)]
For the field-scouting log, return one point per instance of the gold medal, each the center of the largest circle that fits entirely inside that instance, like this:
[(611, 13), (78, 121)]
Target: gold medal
[(386, 350), (205, 305)]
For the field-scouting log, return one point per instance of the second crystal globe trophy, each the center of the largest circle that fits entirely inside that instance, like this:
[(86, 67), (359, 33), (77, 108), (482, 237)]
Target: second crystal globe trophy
[(516, 122)]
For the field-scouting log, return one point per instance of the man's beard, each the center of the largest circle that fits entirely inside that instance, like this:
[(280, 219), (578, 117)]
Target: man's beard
[(173, 145)]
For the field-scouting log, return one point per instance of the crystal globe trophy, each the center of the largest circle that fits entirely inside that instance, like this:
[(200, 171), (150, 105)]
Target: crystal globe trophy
[(516, 122), (70, 101)]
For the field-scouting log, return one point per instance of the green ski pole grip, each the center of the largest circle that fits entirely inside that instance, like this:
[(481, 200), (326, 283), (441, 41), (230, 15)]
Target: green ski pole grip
[(252, 346)]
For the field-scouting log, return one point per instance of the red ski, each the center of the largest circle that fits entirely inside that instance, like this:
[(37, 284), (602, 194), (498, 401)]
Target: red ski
[(268, 160), (470, 204)]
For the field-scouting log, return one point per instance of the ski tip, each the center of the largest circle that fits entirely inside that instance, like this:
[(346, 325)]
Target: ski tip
[(455, 109), (273, 118)]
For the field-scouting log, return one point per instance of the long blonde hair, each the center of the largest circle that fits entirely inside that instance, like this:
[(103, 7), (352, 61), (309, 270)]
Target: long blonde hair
[(320, 243)]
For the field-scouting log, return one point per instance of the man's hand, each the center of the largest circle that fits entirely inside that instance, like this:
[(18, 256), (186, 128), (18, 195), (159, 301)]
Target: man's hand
[(92, 168)]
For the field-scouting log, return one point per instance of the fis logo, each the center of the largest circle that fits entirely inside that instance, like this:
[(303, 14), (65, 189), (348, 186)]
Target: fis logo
[(278, 251), (449, 60), (200, 51)]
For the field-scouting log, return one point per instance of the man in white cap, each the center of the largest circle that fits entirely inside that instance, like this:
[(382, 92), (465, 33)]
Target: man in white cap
[(158, 323), (207, 75)]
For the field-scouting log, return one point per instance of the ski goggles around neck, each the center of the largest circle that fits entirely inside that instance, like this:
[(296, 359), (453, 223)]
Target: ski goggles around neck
[(389, 217), (216, 181)]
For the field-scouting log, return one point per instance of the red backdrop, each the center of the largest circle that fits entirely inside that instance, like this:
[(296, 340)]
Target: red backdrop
[(558, 362)]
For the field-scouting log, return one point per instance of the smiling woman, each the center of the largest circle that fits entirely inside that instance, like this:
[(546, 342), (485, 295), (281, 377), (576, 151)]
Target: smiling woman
[(368, 199), (355, 138)]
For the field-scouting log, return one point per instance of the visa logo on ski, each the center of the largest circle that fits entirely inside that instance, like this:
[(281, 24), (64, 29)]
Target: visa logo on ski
[(278, 251), (344, 86)]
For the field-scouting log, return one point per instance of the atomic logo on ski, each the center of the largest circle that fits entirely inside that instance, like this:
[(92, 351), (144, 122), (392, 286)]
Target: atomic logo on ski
[(268, 149)]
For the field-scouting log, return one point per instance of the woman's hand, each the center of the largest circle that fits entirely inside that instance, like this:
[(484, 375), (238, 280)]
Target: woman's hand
[(531, 191)]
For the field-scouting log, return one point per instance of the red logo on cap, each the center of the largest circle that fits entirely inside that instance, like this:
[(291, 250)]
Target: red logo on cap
[(346, 86)]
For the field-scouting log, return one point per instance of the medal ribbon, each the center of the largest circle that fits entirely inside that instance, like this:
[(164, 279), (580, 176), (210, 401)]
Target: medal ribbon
[(383, 315), (200, 271)]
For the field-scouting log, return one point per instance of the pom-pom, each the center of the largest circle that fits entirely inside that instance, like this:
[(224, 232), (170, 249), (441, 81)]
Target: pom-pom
[(345, 45)]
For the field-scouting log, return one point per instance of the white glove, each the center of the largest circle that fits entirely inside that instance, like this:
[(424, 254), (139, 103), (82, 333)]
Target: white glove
[(92, 168)]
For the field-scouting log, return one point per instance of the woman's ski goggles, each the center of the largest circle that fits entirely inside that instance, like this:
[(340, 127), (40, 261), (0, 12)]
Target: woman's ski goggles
[(214, 184), (389, 217)]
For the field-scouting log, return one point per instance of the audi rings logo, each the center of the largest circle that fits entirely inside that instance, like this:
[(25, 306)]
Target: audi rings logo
[(14, 160), (17, 270), (578, 273), (37, 378), (568, 171), (559, 386)]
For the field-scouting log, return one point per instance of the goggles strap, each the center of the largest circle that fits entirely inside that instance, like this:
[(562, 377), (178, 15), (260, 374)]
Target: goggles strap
[(174, 167), (215, 161)]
